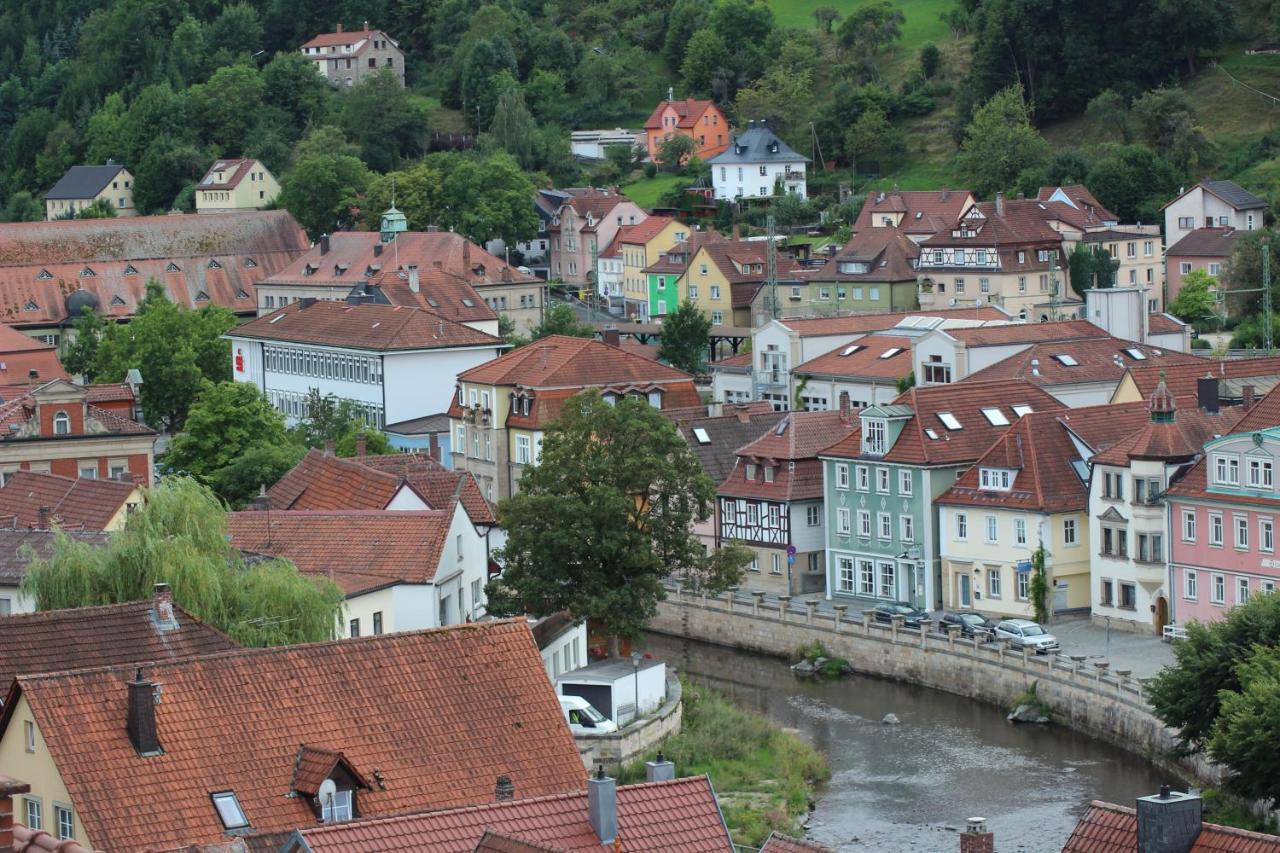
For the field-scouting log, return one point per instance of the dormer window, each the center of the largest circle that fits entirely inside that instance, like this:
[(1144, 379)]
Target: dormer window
[(87, 273), (213, 265), (61, 424), (130, 269), (117, 301), (44, 275), (995, 479), (229, 810), (30, 305), (172, 267), (768, 473), (750, 469), (250, 263), (337, 806), (1226, 470), (875, 433)]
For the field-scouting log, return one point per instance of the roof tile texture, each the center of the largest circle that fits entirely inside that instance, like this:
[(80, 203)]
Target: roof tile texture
[(1108, 828), (440, 714), (368, 327), (855, 324), (559, 361), (77, 503)]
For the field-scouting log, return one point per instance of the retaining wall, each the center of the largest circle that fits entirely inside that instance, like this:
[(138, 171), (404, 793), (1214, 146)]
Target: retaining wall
[(1084, 695), (636, 738)]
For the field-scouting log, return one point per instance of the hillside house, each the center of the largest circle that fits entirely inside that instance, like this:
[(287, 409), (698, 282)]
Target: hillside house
[(757, 164), (702, 121), (82, 186), (236, 184), (346, 58)]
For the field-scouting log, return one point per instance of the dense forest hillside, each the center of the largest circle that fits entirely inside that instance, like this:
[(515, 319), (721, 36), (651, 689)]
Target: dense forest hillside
[(1125, 92)]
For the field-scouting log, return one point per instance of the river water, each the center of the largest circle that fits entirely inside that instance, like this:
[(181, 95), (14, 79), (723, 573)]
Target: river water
[(910, 787)]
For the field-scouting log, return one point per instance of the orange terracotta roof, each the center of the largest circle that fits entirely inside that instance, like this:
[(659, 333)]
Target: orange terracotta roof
[(1179, 440), (594, 202), (642, 232), (76, 502), (680, 815), (1023, 222), (559, 361), (924, 211), (439, 291), (497, 842), (39, 841), (715, 440), (1108, 828), (436, 484), (84, 637), (1081, 198), (1016, 333), (1265, 414), (360, 550), (889, 254), (433, 717), (798, 442), (916, 444), (865, 358), (778, 843), (689, 110), (1182, 379), (1100, 427), (1164, 324), (341, 38), (1095, 360), (742, 359), (855, 324), (369, 327), (110, 392), (18, 418)]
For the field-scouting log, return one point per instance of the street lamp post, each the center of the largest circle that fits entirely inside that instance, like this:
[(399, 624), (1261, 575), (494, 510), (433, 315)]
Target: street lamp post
[(636, 657)]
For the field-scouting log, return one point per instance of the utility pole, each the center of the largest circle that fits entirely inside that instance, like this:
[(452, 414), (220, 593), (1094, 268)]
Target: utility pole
[(1055, 299), (1266, 297), (772, 281)]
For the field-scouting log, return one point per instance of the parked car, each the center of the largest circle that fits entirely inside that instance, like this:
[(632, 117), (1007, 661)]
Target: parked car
[(583, 718), (912, 617), (971, 624), (1024, 632)]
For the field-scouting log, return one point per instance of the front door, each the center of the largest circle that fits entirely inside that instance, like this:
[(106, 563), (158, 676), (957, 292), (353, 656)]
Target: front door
[(966, 600), (1162, 614)]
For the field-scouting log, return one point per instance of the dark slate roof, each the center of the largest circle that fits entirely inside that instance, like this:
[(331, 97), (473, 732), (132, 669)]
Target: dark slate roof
[(84, 181), (1205, 242), (420, 426), (725, 434), (1234, 194), (754, 144)]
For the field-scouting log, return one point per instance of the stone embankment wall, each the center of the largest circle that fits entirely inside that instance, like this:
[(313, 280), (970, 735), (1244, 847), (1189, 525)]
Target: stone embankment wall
[(1085, 695), (636, 738)]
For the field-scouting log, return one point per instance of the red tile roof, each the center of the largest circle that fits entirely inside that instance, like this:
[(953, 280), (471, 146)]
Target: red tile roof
[(220, 256), (369, 327), (1100, 427), (680, 815), (1023, 223), (642, 232), (239, 167), (597, 203), (1108, 828), (924, 212), (1265, 414), (1081, 198), (440, 292), (855, 324), (1179, 440), (1204, 242), (436, 484), (559, 361), (433, 717), (797, 438), (76, 503), (359, 550), (689, 110), (19, 423), (863, 359), (39, 841), (1096, 360), (1164, 324), (777, 843), (84, 637), (341, 38), (18, 547), (1016, 333), (965, 402), (1181, 379), (889, 253)]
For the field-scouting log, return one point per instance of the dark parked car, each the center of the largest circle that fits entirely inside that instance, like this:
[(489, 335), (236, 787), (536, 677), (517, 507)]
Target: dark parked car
[(912, 617), (970, 623)]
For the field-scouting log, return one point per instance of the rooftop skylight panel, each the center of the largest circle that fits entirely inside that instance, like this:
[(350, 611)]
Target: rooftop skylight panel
[(995, 417), (851, 349), (701, 435), (1136, 354), (931, 432), (949, 421), (1021, 409), (891, 352), (1068, 360)]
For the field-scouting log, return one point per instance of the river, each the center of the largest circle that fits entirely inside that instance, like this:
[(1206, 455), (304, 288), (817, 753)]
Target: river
[(910, 787)]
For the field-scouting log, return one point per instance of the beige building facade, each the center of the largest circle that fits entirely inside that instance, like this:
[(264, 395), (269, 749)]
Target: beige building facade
[(237, 184)]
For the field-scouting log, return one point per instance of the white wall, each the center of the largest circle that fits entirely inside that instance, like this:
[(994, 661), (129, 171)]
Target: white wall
[(733, 180), (407, 499), (18, 603), (422, 383), (566, 651), (804, 537)]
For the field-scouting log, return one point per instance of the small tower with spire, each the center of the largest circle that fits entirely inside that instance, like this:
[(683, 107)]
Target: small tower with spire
[(1162, 405), (393, 223)]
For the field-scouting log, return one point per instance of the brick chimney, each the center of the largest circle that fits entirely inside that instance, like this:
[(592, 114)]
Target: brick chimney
[(744, 415), (999, 204), (360, 444), (162, 602), (737, 232), (846, 408), (44, 518), (1247, 394), (324, 244), (975, 838), (141, 722), (329, 446), (466, 256), (504, 789), (613, 337), (413, 278), (261, 501), (339, 27), (9, 789)]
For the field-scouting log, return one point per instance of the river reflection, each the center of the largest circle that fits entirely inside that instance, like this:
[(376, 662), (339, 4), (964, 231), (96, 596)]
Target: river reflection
[(909, 787)]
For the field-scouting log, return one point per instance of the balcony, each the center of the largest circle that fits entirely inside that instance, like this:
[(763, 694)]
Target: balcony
[(775, 378)]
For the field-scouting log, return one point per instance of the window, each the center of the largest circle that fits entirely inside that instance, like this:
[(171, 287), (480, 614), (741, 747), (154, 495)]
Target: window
[(229, 810), (715, 291), (842, 476), (61, 424), (813, 515), (864, 524), (1069, 531), (1226, 470), (1189, 582), (866, 577), (1108, 593), (962, 527), (522, 450), (995, 479), (35, 813), (768, 473), (887, 585), (886, 525), (1242, 590), (1266, 535), (29, 735), (1020, 531), (354, 628), (1260, 474), (1128, 596), (377, 622), (1024, 585), (1188, 525), (1186, 222), (992, 529), (844, 574), (1184, 267), (907, 523), (775, 567), (717, 318), (1215, 528), (882, 480), (904, 483), (1218, 593), (842, 521), (864, 478), (874, 434), (1242, 532), (935, 372), (66, 821), (993, 583)]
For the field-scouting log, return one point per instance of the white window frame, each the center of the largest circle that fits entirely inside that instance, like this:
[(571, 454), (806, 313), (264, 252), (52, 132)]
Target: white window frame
[(1241, 538), (994, 583), (1190, 584), (1266, 535), (1242, 589), (1189, 525), (1260, 474), (1070, 532), (842, 521), (904, 482), (813, 515), (882, 481), (1218, 588), (1020, 532), (884, 526), (864, 524), (991, 530), (962, 527), (864, 478), (524, 450), (842, 476), (1217, 529), (846, 575), (907, 527)]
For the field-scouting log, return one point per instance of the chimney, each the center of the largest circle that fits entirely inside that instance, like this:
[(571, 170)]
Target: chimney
[(339, 27), (613, 337), (433, 229), (330, 446), (9, 788), (671, 93), (324, 244), (33, 377), (737, 232), (366, 26), (999, 204), (306, 302), (162, 599), (44, 518), (260, 502), (504, 789), (1207, 394), (975, 838), (141, 723), (846, 408), (1168, 822), (602, 806), (413, 277), (660, 770), (377, 250), (1247, 394), (360, 445)]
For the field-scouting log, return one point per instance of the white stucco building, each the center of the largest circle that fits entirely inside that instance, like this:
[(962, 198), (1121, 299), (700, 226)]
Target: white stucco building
[(757, 164)]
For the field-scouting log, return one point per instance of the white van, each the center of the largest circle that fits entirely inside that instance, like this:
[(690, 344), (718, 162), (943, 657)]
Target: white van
[(584, 719)]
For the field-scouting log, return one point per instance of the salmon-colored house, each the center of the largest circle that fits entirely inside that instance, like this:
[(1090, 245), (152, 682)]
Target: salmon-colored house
[(703, 121)]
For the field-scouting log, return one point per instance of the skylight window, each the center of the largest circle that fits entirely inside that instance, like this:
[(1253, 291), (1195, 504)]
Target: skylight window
[(932, 433), (469, 303), (949, 421), (782, 426), (850, 350), (229, 810), (995, 417), (1136, 354), (172, 267), (701, 435), (1068, 360), (213, 265), (1021, 409), (891, 352), (130, 269), (44, 275), (250, 263)]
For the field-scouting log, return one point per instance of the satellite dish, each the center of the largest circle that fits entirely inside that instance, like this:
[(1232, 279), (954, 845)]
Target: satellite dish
[(328, 790)]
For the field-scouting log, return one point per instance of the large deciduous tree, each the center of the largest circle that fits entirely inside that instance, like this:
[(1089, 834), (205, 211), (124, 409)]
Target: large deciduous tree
[(1000, 143), (1196, 302), (323, 190), (605, 516), (686, 337)]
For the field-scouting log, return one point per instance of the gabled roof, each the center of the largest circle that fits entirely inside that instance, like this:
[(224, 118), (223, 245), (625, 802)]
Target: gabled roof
[(1023, 222), (1108, 828), (1229, 192), (1082, 360), (889, 253), (1265, 414), (857, 324), (689, 110), (715, 440), (114, 634), (1100, 427), (679, 815), (746, 262), (877, 356), (380, 328), (642, 232), (596, 202), (1079, 197), (14, 545), (560, 361), (1016, 333), (916, 444), (757, 144), (349, 37), (20, 355), (359, 550), (797, 438), (1161, 323), (76, 503), (439, 292), (84, 181), (1181, 378), (237, 167), (1178, 440), (433, 717), (1215, 242), (803, 436), (924, 211)]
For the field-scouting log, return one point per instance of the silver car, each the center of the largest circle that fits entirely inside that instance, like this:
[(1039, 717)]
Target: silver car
[(1024, 632)]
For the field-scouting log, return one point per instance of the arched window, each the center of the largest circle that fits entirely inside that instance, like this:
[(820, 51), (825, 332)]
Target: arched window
[(61, 424)]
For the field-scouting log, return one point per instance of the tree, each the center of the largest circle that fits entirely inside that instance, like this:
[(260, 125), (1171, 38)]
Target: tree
[(22, 206), (1000, 143), (226, 421), (179, 537), (1133, 182), (322, 190), (1111, 110), (1038, 586), (488, 198), (1247, 727), (340, 421), (871, 29), (1166, 121), (80, 356), (930, 60), (1091, 266), (1196, 303), (560, 319), (605, 517), (174, 348), (1243, 272), (382, 118), (100, 209), (871, 137), (825, 17), (417, 196), (686, 338), (675, 150), (255, 469), (784, 98), (513, 126), (224, 108), (686, 18), (705, 57)]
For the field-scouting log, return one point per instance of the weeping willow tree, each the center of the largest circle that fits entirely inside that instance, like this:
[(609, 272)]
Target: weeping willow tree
[(179, 537)]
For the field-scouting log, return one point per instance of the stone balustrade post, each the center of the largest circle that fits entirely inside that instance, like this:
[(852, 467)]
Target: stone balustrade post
[(731, 594), (924, 633), (1026, 656), (1076, 661), (867, 616), (811, 607), (1101, 667), (953, 631), (1122, 678), (757, 598), (784, 604), (895, 622), (841, 610)]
